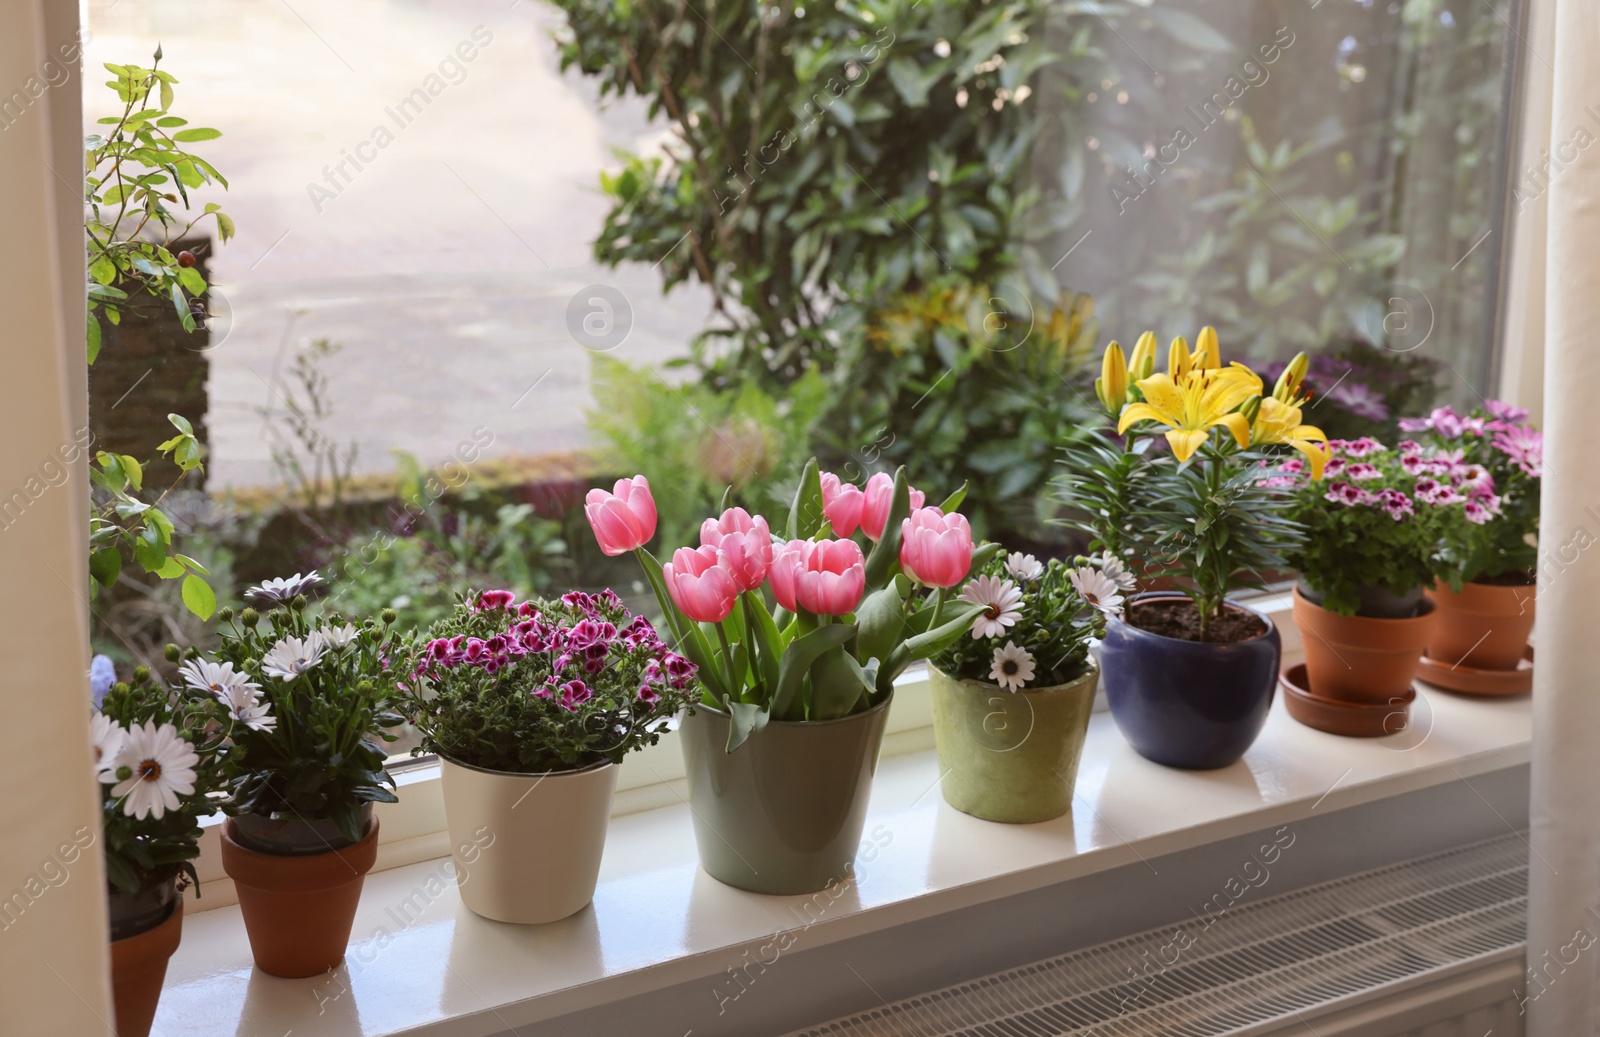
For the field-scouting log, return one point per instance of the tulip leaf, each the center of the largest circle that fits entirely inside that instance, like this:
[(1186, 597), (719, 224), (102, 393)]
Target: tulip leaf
[(837, 685), (765, 639), (952, 502), (886, 555), (744, 719), (882, 621), (805, 515), (797, 659), (954, 623)]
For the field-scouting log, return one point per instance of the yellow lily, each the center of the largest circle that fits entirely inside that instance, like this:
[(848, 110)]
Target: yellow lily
[(1280, 422), (1207, 353), (1142, 362), (1178, 359), (1193, 404), (1289, 381), (1112, 385)]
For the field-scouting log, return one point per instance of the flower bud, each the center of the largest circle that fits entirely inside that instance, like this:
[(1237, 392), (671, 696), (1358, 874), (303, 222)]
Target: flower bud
[(1142, 362), (225, 614), (1112, 385), (1250, 409), (250, 617), (298, 603), (1288, 385), (388, 616), (120, 688), (172, 652), (1208, 354), (124, 772), (141, 674), (1178, 357), (186, 734)]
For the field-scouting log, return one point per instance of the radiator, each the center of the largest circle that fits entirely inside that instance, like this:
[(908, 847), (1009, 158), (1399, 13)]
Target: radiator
[(1431, 947)]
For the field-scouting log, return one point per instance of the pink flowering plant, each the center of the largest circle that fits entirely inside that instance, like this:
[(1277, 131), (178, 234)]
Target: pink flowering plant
[(1378, 518), (544, 685), (1500, 453), (812, 624)]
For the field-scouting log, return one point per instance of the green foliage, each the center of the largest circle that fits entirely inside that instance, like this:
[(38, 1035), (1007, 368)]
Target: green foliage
[(323, 760), (693, 441), (123, 525), (971, 385), (142, 851), (1054, 627), (828, 157), (422, 570), (545, 686), (136, 169)]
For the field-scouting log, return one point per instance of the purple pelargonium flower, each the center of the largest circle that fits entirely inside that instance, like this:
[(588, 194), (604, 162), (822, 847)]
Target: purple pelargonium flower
[(476, 650), (1395, 503), (1334, 467), (1362, 472), (579, 600), (495, 600), (1478, 513), (584, 634), (1443, 420), (575, 694), (1524, 446), (1366, 446), (1347, 494), (648, 695), (1431, 491)]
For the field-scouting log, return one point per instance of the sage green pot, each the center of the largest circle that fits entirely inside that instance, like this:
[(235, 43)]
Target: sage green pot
[(782, 813), (1010, 755)]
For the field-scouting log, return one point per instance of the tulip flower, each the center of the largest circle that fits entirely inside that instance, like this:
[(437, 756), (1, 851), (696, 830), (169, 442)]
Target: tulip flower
[(824, 577), (1112, 385), (878, 498), (743, 543), (841, 504), (623, 520), (935, 548), (700, 586)]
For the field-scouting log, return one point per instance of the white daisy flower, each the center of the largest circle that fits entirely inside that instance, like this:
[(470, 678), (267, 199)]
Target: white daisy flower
[(1097, 589), (108, 737), (292, 656), (1001, 601), (1112, 566), (1024, 567), (162, 769), (285, 587), (1012, 668), (245, 706), (219, 679), (338, 637)]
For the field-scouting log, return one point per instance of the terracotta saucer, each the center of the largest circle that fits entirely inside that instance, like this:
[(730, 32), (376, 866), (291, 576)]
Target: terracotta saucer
[(1470, 681), (1351, 719)]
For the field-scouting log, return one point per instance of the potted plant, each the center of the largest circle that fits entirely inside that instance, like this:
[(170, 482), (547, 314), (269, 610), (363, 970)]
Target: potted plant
[(530, 707), (1486, 596), (1189, 674), (797, 642), (300, 836), (1373, 528), (158, 755), (1011, 701)]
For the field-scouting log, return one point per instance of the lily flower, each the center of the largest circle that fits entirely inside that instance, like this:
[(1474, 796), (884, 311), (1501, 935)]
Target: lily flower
[(1207, 353), (1279, 422), (1112, 385), (1194, 403)]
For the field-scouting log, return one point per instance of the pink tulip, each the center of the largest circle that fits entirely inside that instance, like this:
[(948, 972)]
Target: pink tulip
[(824, 577), (745, 544), (841, 504), (701, 588), (877, 499), (624, 519), (935, 548)]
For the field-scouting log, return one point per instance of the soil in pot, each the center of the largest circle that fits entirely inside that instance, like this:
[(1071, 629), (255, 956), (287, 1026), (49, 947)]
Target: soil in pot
[(298, 907), (146, 927), (1178, 618)]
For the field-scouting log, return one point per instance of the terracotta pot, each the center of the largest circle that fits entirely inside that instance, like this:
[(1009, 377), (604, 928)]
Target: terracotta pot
[(1361, 659), (782, 813), (527, 846), (1485, 627), (298, 909), (1010, 756), (138, 968)]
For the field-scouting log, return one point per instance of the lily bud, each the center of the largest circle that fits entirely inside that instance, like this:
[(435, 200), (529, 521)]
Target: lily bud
[(250, 617), (1112, 385), (1288, 384), (1142, 364), (1250, 408), (1208, 354), (1178, 361)]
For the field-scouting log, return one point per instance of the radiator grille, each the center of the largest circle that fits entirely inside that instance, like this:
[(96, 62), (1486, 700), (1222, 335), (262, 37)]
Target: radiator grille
[(1279, 959)]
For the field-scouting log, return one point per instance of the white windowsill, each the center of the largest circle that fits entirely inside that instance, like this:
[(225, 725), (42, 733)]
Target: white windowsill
[(420, 963)]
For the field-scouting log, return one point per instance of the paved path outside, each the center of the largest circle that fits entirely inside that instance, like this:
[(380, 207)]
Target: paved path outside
[(446, 266)]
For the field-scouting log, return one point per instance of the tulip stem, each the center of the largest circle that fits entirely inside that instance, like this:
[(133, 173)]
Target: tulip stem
[(735, 681), (938, 608)]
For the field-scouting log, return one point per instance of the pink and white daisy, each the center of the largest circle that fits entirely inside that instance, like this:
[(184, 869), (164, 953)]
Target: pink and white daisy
[(1001, 601), (1098, 589), (1012, 667), (1024, 567), (1112, 566)]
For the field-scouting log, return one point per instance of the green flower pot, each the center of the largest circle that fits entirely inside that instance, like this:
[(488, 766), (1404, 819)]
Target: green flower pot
[(1010, 755), (782, 813)]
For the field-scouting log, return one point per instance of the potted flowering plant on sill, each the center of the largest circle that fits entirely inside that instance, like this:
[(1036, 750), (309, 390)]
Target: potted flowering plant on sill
[(530, 708), (1190, 674), (797, 642), (1373, 529), (158, 755), (1486, 595), (1011, 702), (300, 836)]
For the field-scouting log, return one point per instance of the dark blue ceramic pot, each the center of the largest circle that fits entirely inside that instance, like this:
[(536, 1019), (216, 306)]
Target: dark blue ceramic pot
[(1188, 703)]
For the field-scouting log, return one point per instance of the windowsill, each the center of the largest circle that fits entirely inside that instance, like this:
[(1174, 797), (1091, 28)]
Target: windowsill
[(420, 963)]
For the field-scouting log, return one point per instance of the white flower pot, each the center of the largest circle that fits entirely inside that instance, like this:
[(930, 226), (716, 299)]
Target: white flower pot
[(527, 846)]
